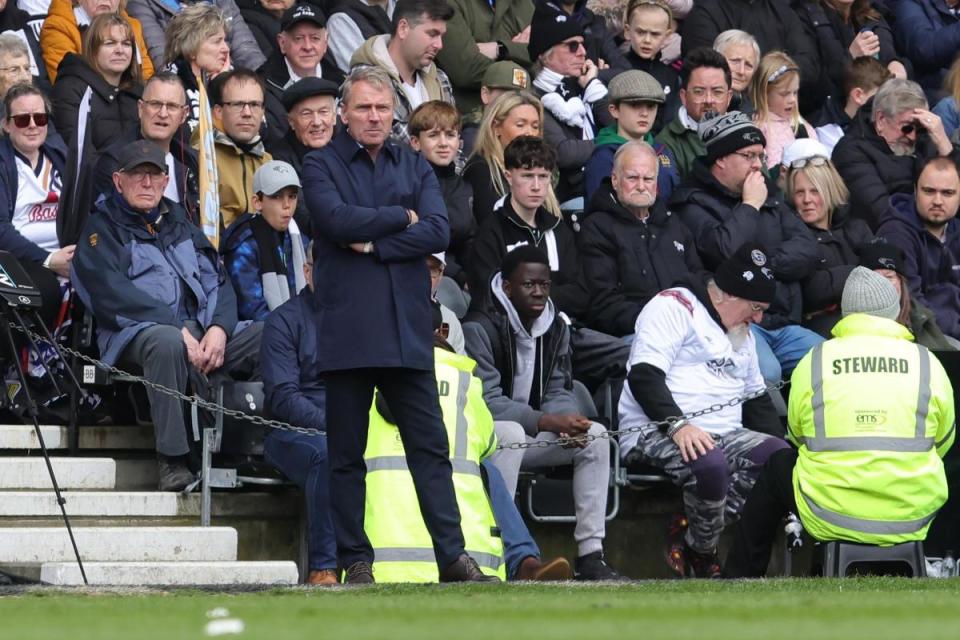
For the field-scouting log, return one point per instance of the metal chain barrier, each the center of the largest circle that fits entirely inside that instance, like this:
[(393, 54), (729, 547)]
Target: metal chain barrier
[(285, 426)]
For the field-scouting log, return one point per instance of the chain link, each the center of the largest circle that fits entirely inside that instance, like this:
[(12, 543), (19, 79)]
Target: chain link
[(285, 426)]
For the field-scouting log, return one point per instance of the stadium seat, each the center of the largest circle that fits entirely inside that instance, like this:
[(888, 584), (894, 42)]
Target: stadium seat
[(836, 557)]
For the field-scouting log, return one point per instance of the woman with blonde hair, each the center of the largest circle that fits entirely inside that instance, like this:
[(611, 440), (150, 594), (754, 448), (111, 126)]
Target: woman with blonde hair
[(949, 106), (817, 192), (513, 114), (773, 91)]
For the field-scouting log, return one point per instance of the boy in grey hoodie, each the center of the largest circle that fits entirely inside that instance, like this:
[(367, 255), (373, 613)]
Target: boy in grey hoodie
[(522, 347)]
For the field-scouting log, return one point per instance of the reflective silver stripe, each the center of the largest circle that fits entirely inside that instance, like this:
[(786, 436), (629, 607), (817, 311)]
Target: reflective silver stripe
[(867, 443), (460, 441), (414, 554), (923, 393), (820, 442), (816, 383), (399, 463), (867, 526), (947, 437)]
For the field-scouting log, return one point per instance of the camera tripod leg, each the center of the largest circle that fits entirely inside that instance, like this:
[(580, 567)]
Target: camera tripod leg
[(34, 416)]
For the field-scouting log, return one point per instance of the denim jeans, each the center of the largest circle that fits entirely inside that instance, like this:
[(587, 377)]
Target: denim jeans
[(517, 541), (779, 350)]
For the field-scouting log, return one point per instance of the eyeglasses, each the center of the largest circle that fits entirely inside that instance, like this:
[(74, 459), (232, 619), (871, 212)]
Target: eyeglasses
[(158, 105), (700, 94), (815, 161), (140, 174), (757, 308), (22, 120), (753, 157), (237, 106), (9, 71), (573, 46), (909, 128)]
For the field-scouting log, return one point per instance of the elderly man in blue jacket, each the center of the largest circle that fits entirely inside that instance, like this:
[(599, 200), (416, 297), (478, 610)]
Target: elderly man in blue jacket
[(377, 213), (161, 298)]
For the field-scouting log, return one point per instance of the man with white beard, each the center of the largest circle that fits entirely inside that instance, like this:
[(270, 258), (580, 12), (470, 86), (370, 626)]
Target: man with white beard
[(694, 349)]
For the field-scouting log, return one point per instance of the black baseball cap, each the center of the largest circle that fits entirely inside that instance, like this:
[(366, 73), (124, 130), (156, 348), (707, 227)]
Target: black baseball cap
[(140, 153), (302, 13), (307, 88)]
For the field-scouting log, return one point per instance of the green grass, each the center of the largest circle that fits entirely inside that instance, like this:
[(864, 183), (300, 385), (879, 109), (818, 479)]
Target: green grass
[(813, 609)]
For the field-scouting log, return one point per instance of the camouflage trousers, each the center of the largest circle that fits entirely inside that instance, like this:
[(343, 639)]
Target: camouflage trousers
[(715, 485)]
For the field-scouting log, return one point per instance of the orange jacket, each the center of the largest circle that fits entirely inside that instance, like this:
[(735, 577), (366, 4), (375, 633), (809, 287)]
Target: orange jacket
[(60, 35)]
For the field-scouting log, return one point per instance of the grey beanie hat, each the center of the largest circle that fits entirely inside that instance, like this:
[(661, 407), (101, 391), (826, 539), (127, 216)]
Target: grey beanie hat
[(869, 292)]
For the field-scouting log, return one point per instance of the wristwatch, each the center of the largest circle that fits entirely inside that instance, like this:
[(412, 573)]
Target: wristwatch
[(502, 52)]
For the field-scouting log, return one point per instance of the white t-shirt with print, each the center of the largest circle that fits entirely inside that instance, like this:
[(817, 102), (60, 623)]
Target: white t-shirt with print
[(38, 200), (676, 334)]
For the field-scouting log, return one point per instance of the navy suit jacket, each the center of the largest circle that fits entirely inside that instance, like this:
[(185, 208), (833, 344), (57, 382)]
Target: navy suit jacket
[(373, 310)]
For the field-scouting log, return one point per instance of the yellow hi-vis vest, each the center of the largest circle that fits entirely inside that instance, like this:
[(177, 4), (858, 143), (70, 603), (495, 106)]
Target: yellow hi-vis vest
[(872, 414), (403, 550)]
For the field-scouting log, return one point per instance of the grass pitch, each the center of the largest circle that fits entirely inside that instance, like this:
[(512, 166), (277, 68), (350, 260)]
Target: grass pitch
[(812, 609)]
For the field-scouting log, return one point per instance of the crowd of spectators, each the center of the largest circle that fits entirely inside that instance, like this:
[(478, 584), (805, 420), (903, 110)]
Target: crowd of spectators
[(560, 164)]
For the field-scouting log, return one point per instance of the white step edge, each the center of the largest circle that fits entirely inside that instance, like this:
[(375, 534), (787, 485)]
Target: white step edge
[(23, 436), (72, 473), (112, 504), (34, 545), (273, 573)]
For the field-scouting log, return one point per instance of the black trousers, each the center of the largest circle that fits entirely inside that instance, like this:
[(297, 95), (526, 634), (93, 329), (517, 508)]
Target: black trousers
[(412, 397), (763, 513)]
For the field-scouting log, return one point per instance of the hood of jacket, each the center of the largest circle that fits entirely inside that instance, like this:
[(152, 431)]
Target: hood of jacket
[(862, 324), (544, 219), (903, 207), (374, 52), (609, 135)]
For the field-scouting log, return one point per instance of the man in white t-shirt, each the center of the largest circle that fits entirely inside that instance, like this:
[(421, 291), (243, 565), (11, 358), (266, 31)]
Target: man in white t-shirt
[(694, 349)]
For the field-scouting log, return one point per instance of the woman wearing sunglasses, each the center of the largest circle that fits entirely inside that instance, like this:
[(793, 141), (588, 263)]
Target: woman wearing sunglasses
[(818, 194), (31, 168)]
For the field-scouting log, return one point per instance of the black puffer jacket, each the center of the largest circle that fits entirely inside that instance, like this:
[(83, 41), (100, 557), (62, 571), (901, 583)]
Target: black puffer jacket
[(839, 253), (458, 196), (773, 23), (626, 262), (262, 24), (827, 29), (721, 223), (504, 231), (112, 110), (871, 170)]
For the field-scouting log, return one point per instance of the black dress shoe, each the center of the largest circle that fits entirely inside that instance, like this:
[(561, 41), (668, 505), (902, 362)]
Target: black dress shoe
[(359, 573), (465, 569), (174, 474), (594, 567)]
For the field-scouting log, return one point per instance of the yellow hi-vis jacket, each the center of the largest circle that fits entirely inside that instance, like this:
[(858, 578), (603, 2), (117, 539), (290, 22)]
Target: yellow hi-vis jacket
[(872, 414), (403, 550)]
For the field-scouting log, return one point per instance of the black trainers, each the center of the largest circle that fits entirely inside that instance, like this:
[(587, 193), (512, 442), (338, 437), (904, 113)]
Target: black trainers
[(174, 474), (465, 569), (359, 573), (702, 565), (594, 567)]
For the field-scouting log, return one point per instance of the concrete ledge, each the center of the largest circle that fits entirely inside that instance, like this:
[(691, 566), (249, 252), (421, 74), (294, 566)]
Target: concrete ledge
[(72, 473), (28, 545), (96, 503), (171, 573), (23, 436)]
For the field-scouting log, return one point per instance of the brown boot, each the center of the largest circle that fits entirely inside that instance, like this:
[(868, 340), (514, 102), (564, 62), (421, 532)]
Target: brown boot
[(465, 569), (533, 568), (323, 578)]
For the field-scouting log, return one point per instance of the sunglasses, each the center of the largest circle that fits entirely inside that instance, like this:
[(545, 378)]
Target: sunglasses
[(909, 128), (574, 45), (22, 121), (815, 161)]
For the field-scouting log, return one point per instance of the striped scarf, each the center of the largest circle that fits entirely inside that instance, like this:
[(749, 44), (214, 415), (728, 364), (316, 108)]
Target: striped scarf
[(209, 180)]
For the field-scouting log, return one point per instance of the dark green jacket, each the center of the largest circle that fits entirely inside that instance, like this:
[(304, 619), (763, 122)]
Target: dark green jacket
[(685, 145)]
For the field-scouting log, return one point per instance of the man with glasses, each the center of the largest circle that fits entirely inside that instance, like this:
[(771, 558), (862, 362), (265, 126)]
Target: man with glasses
[(726, 202), (878, 156), (162, 110), (161, 297), (697, 351), (14, 63), (705, 83), (574, 98), (238, 100)]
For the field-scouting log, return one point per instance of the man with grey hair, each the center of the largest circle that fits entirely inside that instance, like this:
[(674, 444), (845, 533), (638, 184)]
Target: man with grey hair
[(877, 156), (743, 55), (631, 247), (875, 480), (378, 212)]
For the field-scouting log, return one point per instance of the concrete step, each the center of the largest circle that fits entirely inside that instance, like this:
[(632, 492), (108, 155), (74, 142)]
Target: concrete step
[(107, 504), (72, 473), (34, 545), (23, 436), (171, 573)]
